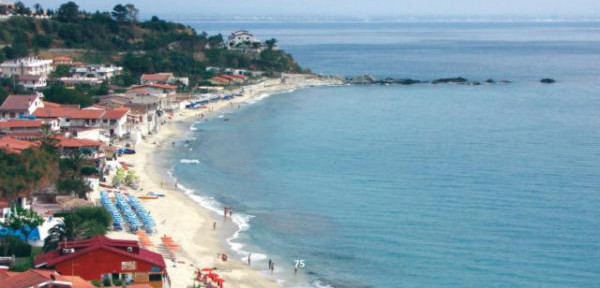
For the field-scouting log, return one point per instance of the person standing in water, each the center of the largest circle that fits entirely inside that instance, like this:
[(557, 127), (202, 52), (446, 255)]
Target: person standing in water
[(249, 256)]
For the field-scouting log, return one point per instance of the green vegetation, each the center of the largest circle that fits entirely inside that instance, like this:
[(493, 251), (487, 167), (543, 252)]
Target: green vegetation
[(29, 171), (148, 46), (81, 95), (81, 223), (40, 167)]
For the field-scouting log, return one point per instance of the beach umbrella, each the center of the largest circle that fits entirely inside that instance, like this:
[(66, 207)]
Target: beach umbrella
[(208, 269)]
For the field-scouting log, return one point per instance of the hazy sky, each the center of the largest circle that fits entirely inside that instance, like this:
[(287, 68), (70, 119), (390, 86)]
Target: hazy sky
[(348, 7)]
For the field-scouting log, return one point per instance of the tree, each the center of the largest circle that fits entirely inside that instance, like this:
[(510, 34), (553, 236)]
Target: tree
[(132, 13), (81, 223), (23, 220), (119, 13), (68, 12), (271, 43), (216, 41), (38, 9), (21, 9)]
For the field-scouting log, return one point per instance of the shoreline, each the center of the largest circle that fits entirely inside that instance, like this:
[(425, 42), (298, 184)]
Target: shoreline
[(183, 213)]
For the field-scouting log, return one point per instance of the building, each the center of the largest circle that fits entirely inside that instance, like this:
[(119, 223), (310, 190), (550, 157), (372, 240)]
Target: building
[(26, 66), (101, 258), (13, 145), (163, 78), (36, 278), (17, 126), (96, 71), (20, 106), (33, 82), (62, 60), (72, 81), (243, 40), (111, 120)]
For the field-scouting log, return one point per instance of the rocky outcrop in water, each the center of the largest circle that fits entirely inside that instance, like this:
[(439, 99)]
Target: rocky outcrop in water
[(548, 81), (370, 80)]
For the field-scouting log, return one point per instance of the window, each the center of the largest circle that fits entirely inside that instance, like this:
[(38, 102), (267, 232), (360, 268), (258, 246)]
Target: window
[(155, 277), (128, 265)]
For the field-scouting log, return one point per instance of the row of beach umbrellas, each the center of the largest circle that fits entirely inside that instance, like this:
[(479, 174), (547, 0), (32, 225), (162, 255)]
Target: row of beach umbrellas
[(130, 216), (143, 214), (209, 277), (108, 204)]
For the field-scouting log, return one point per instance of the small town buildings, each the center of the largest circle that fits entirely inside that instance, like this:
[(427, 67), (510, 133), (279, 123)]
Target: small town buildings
[(163, 78), (104, 258), (26, 66), (76, 80), (37, 278), (96, 71), (112, 121), (20, 106)]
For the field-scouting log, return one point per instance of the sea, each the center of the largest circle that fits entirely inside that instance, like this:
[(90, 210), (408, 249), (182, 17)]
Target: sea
[(496, 185)]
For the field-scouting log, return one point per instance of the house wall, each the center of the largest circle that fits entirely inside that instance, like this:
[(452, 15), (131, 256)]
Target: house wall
[(92, 265)]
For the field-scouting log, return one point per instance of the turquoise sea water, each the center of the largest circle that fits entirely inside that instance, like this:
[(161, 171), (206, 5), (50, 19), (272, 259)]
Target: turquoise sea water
[(418, 186)]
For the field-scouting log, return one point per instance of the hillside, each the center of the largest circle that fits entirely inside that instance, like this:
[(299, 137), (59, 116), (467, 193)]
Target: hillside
[(139, 46)]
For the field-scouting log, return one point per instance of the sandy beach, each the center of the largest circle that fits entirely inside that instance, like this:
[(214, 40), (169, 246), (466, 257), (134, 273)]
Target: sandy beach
[(186, 221)]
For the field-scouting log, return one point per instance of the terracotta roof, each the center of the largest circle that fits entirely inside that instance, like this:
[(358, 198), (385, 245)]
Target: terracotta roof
[(157, 77), (100, 242), (163, 86), (14, 145), (21, 124), (68, 112), (17, 102), (33, 277), (76, 143), (220, 79), (116, 113), (29, 77)]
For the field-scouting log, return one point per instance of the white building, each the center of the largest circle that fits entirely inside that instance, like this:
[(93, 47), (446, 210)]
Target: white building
[(32, 81), (96, 71), (26, 66), (243, 40)]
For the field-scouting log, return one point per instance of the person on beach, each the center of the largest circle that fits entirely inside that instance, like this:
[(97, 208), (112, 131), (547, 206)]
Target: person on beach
[(270, 262), (272, 267), (295, 271), (249, 255), (230, 212), (215, 225), (225, 211)]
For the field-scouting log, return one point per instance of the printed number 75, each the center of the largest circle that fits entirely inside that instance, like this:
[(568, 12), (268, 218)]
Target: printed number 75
[(299, 263)]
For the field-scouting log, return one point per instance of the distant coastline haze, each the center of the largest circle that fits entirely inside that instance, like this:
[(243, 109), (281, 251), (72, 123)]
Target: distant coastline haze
[(355, 8)]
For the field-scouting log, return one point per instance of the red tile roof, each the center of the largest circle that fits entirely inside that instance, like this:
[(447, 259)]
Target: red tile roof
[(21, 124), (220, 79), (68, 112), (33, 277), (164, 77), (56, 105), (76, 143), (14, 145), (29, 77), (100, 242), (116, 113), (17, 102), (162, 86)]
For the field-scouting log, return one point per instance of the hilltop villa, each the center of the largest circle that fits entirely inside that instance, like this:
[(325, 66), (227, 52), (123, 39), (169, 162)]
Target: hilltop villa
[(243, 40)]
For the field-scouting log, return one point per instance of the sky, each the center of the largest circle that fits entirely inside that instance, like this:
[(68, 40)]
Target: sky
[(357, 8)]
